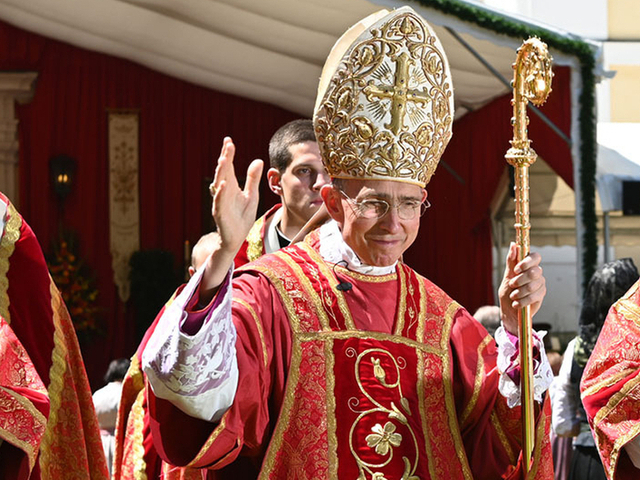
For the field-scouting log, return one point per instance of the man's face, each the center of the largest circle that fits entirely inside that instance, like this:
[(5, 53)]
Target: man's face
[(378, 241), (299, 185)]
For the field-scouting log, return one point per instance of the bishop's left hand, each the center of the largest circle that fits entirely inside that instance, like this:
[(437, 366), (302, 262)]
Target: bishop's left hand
[(522, 285)]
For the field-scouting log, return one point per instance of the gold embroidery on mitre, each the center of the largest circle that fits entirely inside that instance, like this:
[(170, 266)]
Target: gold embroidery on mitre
[(384, 109)]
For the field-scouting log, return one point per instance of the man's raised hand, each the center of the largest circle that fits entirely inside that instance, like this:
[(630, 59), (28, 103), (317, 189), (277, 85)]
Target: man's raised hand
[(234, 211)]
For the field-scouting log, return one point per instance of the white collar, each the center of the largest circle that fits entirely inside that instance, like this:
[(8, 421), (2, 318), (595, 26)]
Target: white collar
[(271, 241), (334, 249), (3, 217)]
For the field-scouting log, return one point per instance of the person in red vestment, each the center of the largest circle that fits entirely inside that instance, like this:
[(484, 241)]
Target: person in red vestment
[(24, 408), (610, 386), (296, 176), (331, 358), (33, 307)]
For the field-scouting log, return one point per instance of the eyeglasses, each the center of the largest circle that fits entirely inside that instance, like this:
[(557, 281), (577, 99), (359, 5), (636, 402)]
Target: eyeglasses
[(370, 209)]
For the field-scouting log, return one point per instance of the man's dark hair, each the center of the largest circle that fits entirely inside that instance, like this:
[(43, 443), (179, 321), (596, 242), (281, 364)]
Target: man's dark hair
[(296, 131), (117, 370)]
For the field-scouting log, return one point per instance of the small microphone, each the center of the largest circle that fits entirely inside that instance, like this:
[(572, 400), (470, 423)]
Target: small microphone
[(343, 286)]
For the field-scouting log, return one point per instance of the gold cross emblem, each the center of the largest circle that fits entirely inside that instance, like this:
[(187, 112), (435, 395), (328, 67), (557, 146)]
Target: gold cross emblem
[(399, 93)]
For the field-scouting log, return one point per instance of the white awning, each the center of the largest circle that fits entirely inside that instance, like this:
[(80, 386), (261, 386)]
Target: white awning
[(618, 160), (266, 50)]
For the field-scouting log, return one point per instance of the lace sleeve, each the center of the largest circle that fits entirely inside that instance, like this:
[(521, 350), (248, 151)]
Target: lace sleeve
[(196, 372), (509, 367)]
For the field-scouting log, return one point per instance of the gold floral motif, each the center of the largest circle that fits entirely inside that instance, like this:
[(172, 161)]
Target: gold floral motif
[(387, 111), (321, 299), (383, 438), (21, 423)]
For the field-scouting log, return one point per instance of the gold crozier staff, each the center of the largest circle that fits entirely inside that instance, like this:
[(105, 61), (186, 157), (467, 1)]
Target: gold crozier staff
[(531, 83)]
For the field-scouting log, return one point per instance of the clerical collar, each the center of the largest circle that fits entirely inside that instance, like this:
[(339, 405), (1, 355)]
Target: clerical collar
[(273, 238), (334, 249), (282, 240)]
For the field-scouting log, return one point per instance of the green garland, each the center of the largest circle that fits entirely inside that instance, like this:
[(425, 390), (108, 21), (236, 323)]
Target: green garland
[(578, 48)]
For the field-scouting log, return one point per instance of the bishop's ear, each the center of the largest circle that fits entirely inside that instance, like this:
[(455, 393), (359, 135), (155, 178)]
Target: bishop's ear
[(332, 200), (273, 178)]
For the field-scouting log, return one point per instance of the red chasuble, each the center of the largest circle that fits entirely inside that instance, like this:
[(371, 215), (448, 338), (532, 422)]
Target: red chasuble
[(611, 385), (24, 408), (391, 379), (135, 455), (32, 306)]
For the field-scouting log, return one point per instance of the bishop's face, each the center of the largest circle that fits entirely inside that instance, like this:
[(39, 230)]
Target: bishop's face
[(377, 241)]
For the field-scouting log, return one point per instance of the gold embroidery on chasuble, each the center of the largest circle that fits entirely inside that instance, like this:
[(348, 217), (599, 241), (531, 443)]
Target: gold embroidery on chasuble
[(615, 423), (138, 464), (255, 245), (479, 376), (21, 423), (60, 455), (392, 404), (7, 245), (542, 468), (620, 350), (132, 385)]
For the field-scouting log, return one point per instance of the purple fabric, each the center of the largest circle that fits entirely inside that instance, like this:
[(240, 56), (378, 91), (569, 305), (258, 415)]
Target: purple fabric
[(514, 370), (196, 314)]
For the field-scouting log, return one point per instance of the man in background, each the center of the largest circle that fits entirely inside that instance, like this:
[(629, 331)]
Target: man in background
[(296, 175)]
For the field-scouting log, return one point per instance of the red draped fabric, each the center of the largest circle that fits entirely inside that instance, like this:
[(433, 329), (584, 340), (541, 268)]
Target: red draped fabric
[(181, 131)]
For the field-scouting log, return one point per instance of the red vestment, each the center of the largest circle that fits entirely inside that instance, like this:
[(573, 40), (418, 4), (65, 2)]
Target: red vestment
[(254, 245), (33, 307), (135, 455), (389, 378), (611, 385), (24, 408)]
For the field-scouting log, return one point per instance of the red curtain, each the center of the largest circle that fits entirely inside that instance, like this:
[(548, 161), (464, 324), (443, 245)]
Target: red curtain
[(181, 130)]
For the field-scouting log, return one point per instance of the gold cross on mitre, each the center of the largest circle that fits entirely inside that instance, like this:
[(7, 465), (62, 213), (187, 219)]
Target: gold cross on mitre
[(399, 92), (384, 108)]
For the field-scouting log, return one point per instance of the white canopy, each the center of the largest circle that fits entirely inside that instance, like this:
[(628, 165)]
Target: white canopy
[(267, 50)]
